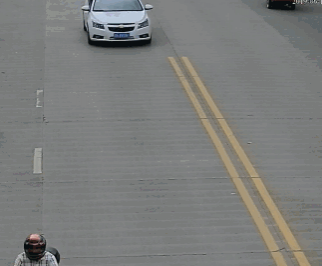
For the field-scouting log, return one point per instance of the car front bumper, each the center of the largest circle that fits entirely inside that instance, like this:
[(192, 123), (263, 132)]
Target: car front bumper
[(107, 34)]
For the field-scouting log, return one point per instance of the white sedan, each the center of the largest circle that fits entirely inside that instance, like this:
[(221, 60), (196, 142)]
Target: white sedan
[(117, 20)]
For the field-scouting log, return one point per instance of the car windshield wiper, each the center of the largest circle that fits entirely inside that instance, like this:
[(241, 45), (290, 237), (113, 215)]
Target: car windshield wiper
[(108, 10), (130, 10), (98, 10)]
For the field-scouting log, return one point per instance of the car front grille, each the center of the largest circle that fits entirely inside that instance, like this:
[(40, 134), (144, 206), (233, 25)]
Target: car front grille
[(117, 29), (119, 23)]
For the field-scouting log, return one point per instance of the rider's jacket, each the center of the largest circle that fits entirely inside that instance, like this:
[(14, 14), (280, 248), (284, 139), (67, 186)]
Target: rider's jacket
[(47, 260)]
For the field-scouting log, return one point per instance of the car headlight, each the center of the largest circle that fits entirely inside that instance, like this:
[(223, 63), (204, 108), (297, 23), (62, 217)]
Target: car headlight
[(97, 25), (143, 24)]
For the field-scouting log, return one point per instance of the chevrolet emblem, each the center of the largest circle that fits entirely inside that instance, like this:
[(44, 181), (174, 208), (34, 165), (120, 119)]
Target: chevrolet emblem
[(121, 26)]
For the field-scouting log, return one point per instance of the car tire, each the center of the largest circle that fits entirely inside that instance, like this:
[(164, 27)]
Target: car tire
[(269, 4), (147, 42), (84, 27), (90, 42), (292, 7)]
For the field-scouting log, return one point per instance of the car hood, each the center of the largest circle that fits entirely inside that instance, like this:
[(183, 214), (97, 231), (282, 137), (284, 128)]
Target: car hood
[(119, 17)]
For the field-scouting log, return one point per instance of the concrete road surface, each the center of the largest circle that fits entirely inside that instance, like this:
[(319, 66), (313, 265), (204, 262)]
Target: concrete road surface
[(128, 175)]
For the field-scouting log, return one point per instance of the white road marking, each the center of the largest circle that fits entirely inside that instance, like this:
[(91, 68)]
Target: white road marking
[(38, 101), (38, 161)]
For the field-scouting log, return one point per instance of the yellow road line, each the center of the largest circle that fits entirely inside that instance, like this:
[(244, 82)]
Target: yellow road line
[(255, 214), (281, 223)]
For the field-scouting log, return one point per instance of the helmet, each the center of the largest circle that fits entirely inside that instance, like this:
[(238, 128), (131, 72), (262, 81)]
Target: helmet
[(35, 246)]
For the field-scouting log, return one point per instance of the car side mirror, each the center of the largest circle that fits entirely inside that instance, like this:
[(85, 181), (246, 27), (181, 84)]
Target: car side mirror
[(148, 7), (85, 8)]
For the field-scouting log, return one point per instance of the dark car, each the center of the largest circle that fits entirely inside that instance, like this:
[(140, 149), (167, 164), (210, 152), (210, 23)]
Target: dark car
[(276, 3)]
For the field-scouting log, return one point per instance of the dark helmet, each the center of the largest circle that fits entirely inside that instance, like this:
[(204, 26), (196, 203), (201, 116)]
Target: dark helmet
[(35, 246)]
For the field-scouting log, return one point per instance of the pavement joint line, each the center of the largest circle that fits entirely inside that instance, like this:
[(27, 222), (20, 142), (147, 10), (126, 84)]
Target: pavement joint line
[(38, 101), (168, 255), (261, 188), (244, 194), (38, 161), (107, 180), (165, 255)]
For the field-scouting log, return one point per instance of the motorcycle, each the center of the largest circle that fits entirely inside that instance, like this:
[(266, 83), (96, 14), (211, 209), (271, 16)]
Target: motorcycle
[(55, 252)]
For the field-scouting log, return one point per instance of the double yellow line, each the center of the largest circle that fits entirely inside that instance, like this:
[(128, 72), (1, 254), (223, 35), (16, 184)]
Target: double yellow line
[(255, 214)]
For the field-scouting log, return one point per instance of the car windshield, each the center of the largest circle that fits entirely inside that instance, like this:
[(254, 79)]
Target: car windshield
[(117, 5)]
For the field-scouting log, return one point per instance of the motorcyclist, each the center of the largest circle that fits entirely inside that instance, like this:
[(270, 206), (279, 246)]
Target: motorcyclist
[(35, 253)]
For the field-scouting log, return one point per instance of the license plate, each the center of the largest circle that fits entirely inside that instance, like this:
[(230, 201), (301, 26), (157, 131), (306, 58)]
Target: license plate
[(121, 35)]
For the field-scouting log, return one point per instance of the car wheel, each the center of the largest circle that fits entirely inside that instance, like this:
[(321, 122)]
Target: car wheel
[(269, 4), (90, 42), (84, 27), (146, 42)]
